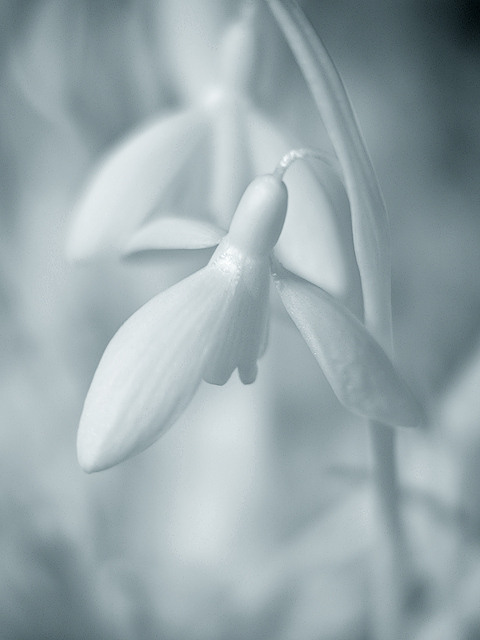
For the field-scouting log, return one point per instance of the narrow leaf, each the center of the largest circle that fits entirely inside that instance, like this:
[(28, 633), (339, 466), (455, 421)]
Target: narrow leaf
[(358, 370)]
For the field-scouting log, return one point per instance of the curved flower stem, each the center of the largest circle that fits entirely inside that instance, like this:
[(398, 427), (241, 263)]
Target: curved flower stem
[(369, 218), (300, 154), (372, 249)]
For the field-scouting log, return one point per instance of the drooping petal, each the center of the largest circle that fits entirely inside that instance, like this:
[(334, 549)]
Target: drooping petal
[(151, 370), (205, 326), (316, 241), (242, 332), (358, 370), (169, 232), (130, 181)]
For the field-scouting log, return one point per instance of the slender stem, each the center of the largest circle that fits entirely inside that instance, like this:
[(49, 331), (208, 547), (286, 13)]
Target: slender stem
[(300, 154), (372, 247), (390, 568), (369, 218)]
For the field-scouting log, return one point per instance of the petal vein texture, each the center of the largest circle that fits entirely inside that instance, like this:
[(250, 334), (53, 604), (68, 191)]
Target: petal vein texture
[(151, 370), (358, 370)]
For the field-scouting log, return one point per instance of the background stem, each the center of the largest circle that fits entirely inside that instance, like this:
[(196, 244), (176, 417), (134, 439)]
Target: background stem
[(390, 566)]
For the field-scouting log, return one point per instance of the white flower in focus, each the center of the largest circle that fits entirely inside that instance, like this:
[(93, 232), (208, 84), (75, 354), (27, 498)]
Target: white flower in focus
[(216, 321), (174, 183)]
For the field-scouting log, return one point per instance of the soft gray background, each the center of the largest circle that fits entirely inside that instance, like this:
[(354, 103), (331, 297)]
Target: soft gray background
[(222, 529)]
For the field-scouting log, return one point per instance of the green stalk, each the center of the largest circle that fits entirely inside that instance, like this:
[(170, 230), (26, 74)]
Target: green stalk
[(371, 237), (391, 568)]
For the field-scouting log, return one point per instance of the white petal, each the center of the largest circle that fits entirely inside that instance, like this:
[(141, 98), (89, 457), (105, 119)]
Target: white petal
[(359, 371), (316, 240), (169, 232), (150, 370), (242, 331), (130, 181)]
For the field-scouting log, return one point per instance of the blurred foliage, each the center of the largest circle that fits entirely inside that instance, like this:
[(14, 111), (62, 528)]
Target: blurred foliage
[(218, 530)]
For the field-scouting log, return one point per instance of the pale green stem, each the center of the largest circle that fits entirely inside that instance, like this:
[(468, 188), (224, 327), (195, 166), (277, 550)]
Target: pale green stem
[(372, 249), (369, 219), (301, 154), (391, 568)]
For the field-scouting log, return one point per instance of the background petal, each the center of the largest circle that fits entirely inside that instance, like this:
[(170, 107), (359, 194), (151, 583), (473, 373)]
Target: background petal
[(169, 232), (130, 181)]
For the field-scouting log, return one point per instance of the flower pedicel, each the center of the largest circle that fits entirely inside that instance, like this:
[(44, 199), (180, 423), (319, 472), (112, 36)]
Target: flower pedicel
[(216, 321)]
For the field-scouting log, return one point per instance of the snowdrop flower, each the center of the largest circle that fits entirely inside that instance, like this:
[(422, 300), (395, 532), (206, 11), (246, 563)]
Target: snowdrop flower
[(175, 183), (216, 321)]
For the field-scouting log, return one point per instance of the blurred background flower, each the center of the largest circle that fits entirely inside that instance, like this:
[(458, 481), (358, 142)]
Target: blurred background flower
[(249, 520)]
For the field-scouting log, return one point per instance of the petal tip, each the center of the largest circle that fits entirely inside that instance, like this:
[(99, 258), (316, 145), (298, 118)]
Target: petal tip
[(90, 456), (96, 456), (87, 461), (98, 447), (83, 243)]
